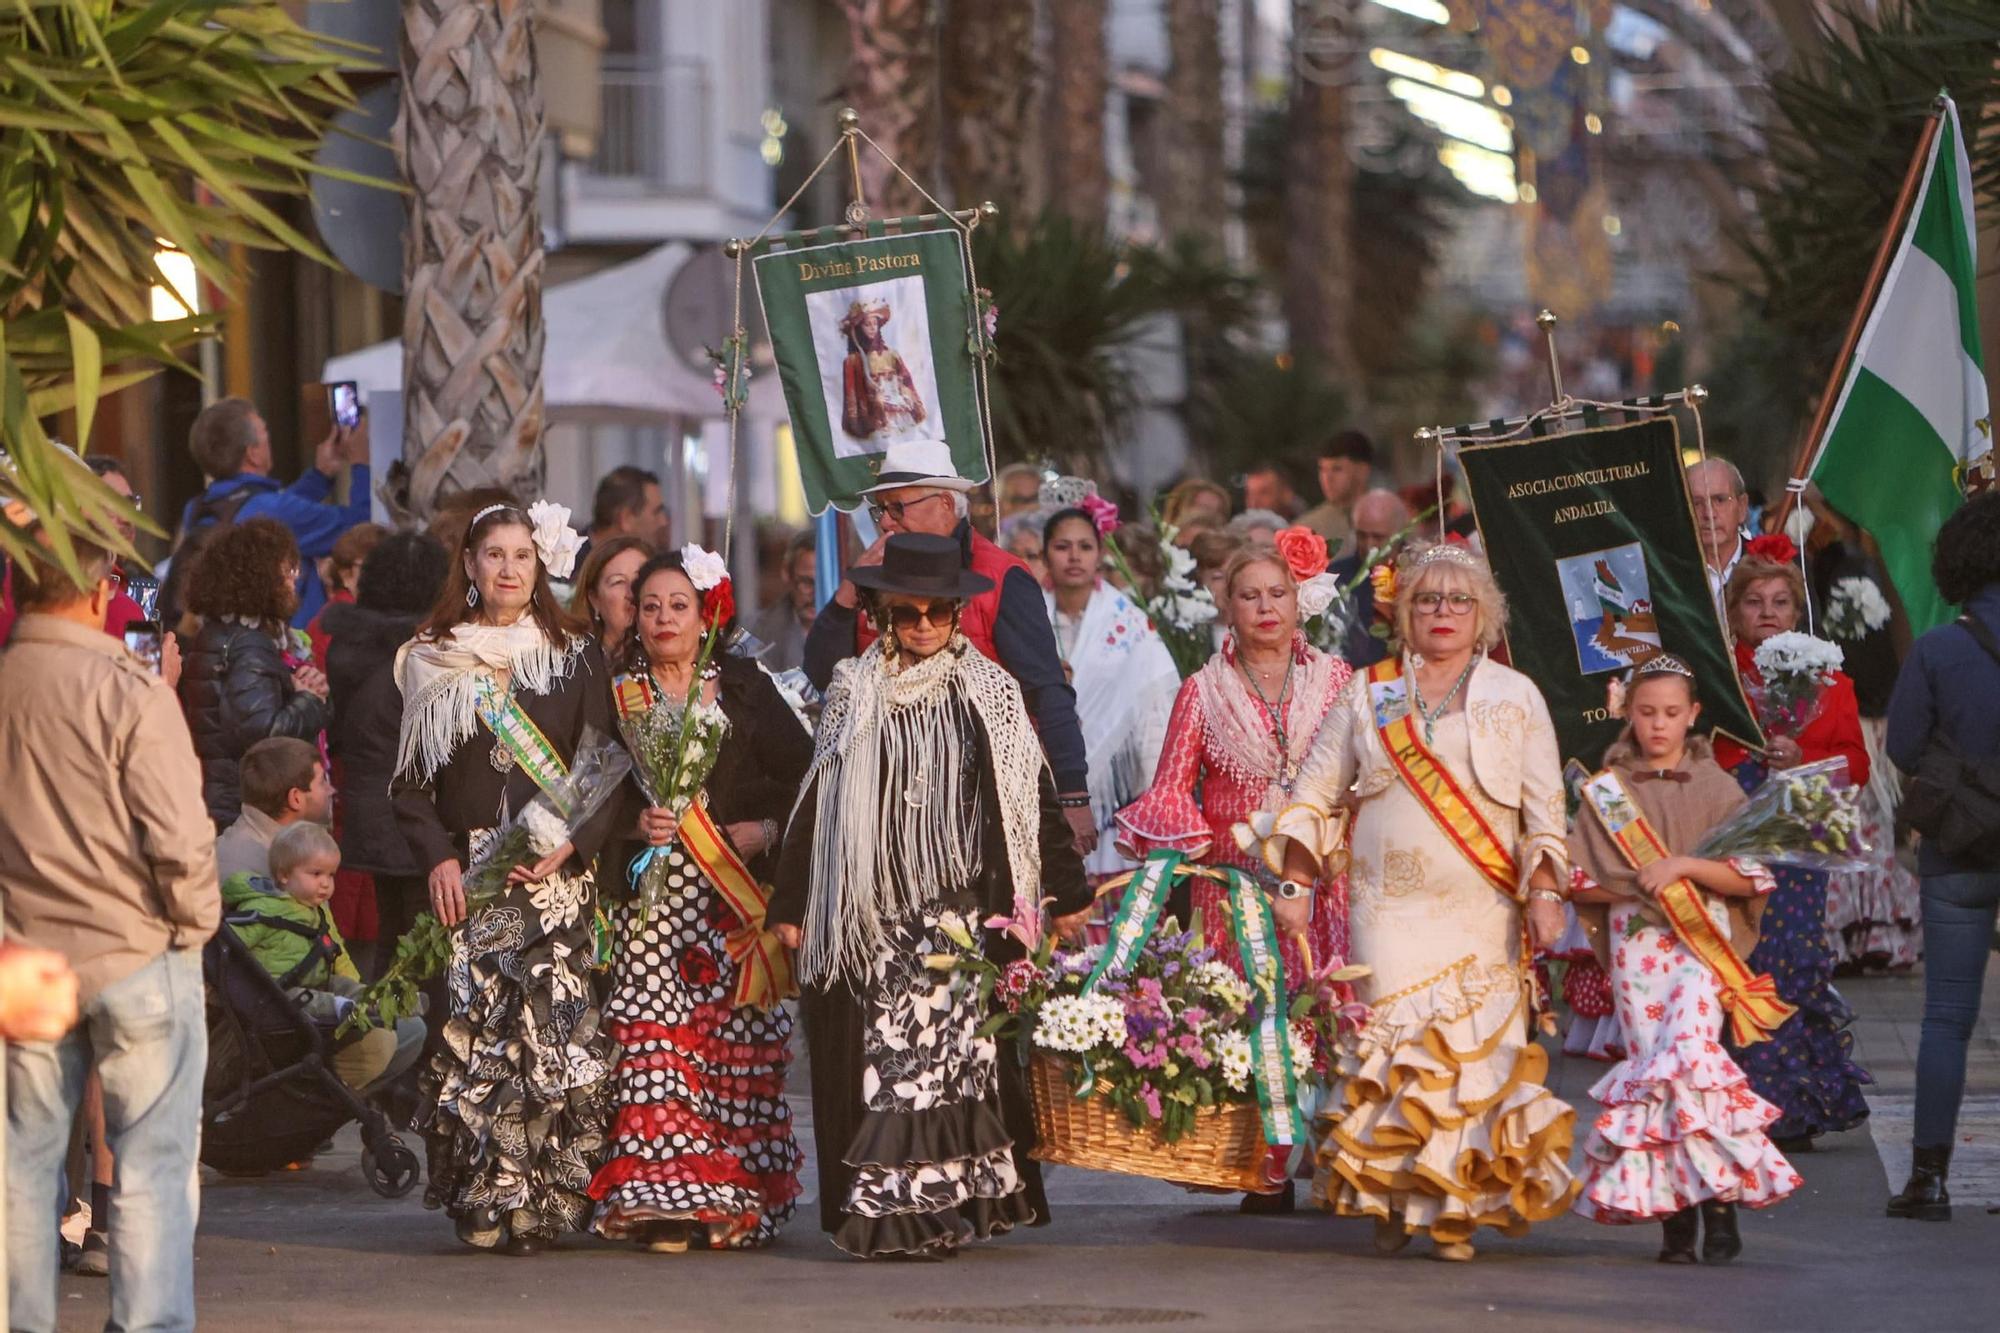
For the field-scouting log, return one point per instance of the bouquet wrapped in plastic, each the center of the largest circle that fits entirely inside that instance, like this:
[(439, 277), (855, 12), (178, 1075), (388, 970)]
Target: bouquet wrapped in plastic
[(1804, 816), (1796, 669), (545, 823)]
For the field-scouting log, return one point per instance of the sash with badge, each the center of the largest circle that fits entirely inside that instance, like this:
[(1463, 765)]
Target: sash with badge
[(1750, 999)]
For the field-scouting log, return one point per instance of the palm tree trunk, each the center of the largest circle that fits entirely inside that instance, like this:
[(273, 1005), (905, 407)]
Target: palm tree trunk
[(1191, 202), (988, 83), (469, 141), (1319, 192), (892, 81), (1078, 178)]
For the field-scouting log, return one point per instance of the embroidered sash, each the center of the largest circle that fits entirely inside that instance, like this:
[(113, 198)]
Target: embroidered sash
[(1750, 999), (524, 742), (1256, 930), (763, 966), (1436, 790)]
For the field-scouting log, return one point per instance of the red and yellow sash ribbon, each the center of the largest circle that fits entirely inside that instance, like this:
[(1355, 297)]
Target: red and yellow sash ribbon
[(1436, 790), (763, 966), (1750, 999)]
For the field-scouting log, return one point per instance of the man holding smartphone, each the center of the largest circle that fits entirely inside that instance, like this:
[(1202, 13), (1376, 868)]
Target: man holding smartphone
[(233, 446)]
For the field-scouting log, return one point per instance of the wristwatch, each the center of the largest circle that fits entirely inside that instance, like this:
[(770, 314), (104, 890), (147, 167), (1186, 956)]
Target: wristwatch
[(1291, 890)]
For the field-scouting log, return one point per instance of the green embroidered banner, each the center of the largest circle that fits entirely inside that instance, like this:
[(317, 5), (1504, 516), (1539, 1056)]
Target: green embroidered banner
[(875, 344), (1592, 538)]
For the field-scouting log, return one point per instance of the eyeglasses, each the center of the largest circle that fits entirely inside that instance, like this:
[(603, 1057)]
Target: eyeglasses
[(1458, 603), (896, 509), (904, 616)]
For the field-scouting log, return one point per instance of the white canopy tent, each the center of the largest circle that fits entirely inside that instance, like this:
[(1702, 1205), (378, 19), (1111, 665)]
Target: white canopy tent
[(616, 392)]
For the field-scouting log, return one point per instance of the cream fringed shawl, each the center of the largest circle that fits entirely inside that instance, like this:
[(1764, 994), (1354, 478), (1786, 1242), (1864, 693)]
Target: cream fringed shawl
[(894, 825), (441, 681)]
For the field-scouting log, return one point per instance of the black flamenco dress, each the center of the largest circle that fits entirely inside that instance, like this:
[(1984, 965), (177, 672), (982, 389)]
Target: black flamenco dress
[(923, 1128), (516, 1092)]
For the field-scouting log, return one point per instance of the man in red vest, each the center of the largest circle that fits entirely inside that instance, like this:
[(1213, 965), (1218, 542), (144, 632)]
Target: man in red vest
[(918, 490)]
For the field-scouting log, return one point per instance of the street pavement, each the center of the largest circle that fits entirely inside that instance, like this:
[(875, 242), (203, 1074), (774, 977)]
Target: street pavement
[(316, 1250)]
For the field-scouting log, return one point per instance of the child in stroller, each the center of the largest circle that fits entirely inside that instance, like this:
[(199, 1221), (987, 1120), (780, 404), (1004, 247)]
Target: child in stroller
[(280, 983)]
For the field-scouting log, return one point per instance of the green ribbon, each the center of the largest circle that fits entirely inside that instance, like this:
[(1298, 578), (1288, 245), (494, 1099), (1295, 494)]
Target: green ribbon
[(1271, 1047), (1145, 897)]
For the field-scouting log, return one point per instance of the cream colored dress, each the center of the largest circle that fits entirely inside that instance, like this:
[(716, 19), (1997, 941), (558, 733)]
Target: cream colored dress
[(1438, 1114)]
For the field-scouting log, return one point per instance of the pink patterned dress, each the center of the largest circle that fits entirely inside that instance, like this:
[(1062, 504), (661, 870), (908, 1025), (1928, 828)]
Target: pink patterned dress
[(1221, 763), (1681, 1123)]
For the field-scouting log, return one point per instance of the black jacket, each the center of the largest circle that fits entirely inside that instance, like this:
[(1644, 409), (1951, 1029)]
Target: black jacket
[(367, 716), (236, 690)]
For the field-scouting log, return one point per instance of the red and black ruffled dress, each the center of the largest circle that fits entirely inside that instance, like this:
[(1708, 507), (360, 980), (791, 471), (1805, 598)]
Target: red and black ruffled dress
[(701, 1132)]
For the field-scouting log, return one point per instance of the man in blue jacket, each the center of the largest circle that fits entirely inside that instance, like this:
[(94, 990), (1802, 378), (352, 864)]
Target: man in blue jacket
[(232, 445)]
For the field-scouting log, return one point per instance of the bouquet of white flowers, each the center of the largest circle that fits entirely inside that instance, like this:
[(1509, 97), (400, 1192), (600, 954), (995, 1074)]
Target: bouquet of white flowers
[(1805, 816), (1856, 609), (1182, 611), (1796, 669)]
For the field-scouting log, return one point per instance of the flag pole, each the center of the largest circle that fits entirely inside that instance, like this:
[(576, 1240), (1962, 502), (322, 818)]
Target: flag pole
[(1891, 235)]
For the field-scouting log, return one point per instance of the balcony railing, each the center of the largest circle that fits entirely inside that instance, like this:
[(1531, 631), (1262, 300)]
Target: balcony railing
[(653, 138)]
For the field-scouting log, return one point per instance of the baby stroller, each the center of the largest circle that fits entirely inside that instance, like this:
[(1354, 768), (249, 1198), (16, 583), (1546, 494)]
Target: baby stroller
[(270, 1096)]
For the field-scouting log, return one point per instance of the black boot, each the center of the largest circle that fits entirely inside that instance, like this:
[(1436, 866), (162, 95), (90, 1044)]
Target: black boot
[(1281, 1201), (1925, 1197), (1720, 1243), (1677, 1236)]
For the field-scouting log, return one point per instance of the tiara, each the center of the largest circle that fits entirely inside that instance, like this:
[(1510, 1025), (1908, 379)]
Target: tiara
[(1066, 492), (490, 509), (1662, 664), (1444, 553)]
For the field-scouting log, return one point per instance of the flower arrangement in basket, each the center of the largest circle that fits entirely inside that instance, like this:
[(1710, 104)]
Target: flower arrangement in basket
[(675, 743), (1150, 1056), (1796, 669)]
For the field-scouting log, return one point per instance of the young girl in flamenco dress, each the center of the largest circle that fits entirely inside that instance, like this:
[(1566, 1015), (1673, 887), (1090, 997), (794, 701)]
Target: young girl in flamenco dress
[(1682, 1139)]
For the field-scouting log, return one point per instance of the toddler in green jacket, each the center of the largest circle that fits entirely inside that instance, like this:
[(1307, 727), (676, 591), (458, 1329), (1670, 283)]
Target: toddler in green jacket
[(284, 922)]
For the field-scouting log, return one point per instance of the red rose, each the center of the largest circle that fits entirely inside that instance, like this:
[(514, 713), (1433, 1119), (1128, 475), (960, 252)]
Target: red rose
[(719, 604), (1773, 546), (1304, 552)]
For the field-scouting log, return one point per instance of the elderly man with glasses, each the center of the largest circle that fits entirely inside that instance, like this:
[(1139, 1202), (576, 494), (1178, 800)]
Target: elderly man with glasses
[(918, 490), (1721, 508)]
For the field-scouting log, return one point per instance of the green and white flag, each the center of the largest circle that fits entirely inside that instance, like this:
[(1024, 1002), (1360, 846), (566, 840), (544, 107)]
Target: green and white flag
[(1911, 411)]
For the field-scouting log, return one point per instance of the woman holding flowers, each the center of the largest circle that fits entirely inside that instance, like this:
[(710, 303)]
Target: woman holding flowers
[(1124, 677), (1809, 713), (1241, 728), (1438, 1121), (499, 686), (928, 810), (702, 1150)]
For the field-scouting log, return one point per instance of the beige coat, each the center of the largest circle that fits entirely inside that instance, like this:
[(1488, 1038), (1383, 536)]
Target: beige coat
[(107, 854)]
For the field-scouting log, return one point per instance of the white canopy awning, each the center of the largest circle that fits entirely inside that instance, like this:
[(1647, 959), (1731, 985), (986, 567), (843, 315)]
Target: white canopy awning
[(606, 350)]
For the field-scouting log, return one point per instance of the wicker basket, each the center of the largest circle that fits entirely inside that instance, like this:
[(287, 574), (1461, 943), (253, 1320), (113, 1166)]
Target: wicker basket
[(1225, 1149)]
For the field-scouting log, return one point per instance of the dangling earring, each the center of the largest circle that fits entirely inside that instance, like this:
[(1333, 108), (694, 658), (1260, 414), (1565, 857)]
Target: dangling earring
[(472, 596)]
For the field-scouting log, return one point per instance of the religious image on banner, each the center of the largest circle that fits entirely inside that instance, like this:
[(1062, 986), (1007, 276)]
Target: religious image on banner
[(1611, 608), (1591, 536), (880, 390), (872, 340)]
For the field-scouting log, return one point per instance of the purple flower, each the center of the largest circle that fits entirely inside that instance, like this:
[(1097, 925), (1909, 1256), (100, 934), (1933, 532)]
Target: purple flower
[(1151, 1096)]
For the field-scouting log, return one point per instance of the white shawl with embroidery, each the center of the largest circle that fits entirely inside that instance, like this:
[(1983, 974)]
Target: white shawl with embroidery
[(441, 680)]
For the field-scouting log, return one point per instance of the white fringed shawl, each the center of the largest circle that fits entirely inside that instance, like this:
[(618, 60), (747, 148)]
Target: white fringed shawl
[(895, 828), (441, 680)]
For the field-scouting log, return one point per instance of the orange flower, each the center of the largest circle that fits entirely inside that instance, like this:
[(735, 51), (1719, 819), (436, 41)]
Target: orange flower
[(1303, 550), (1382, 579)]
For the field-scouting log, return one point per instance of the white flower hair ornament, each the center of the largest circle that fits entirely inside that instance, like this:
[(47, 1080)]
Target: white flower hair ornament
[(704, 568), (555, 541)]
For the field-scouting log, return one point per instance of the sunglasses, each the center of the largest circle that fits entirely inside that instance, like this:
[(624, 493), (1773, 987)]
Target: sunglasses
[(904, 616), (896, 509)]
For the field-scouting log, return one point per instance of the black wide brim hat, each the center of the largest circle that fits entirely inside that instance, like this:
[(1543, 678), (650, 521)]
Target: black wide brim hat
[(916, 564)]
